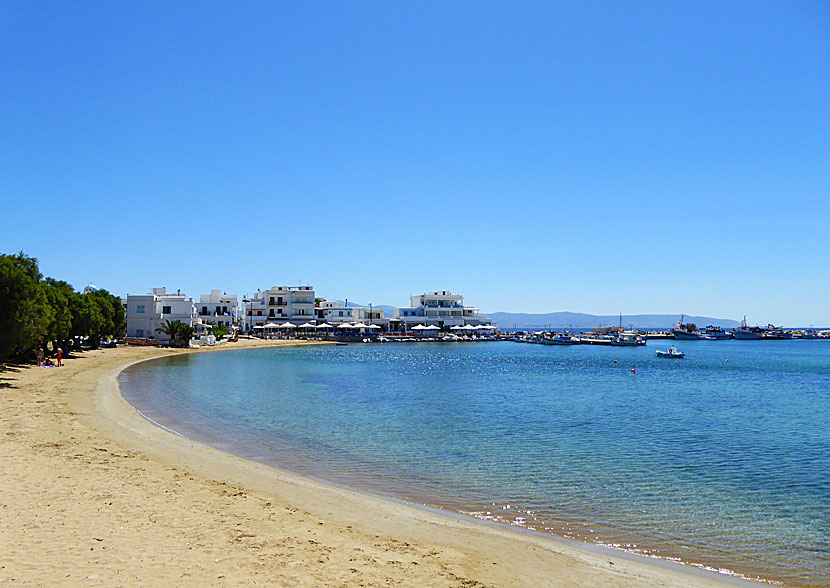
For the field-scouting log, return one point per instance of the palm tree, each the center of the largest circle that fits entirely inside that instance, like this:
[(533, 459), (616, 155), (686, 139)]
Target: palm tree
[(185, 334), (172, 329)]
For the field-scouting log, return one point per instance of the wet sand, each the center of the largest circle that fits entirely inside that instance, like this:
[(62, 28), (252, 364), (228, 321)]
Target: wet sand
[(93, 494)]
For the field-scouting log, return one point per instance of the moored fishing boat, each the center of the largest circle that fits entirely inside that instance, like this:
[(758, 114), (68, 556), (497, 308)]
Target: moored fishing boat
[(716, 333), (686, 331), (561, 339), (628, 339), (774, 332), (745, 332)]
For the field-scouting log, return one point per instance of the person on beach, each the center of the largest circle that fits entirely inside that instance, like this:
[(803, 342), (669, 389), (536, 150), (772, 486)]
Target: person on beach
[(39, 356), (60, 356)]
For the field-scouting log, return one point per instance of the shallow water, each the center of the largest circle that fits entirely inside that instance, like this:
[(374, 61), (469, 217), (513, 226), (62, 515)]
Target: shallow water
[(720, 460)]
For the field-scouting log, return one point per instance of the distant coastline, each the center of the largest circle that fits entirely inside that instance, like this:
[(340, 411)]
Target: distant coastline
[(560, 320)]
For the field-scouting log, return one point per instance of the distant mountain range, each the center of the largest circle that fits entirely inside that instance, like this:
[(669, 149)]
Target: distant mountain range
[(562, 320)]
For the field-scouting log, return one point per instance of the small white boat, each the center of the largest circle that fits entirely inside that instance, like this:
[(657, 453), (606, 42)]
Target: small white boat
[(672, 353)]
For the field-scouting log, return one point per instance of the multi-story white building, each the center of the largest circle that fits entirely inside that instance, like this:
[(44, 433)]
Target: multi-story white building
[(147, 312), (218, 308), (287, 303), (441, 308), (279, 304)]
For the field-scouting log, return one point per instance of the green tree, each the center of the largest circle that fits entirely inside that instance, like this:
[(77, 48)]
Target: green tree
[(171, 329), (59, 293), (25, 312), (186, 333), (87, 320), (219, 330)]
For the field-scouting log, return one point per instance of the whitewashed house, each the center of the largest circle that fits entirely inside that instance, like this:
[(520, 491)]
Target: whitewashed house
[(147, 312), (218, 308)]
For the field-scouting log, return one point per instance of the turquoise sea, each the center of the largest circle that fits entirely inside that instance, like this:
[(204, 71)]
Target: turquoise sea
[(720, 460)]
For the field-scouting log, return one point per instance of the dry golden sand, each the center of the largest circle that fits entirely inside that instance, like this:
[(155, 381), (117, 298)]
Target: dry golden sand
[(94, 495)]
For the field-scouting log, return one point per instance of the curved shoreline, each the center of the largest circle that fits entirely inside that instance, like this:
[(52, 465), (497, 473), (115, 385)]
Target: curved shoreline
[(443, 548)]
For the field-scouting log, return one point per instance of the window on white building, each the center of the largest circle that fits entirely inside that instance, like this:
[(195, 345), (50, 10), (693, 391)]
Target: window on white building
[(139, 332), (166, 310), (139, 308)]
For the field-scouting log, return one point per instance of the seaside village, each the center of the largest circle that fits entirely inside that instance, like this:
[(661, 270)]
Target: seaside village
[(295, 312)]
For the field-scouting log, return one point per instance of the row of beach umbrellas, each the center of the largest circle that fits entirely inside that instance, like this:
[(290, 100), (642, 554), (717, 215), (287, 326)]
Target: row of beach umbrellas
[(287, 325)]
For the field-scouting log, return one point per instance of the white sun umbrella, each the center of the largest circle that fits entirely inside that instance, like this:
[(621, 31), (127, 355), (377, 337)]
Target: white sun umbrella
[(359, 326), (258, 327), (307, 326), (272, 326), (486, 327), (418, 328), (373, 326), (433, 328), (456, 328), (345, 326), (469, 328), (287, 325), (324, 326)]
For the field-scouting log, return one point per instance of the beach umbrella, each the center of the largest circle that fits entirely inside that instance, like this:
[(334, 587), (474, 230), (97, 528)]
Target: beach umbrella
[(272, 326), (324, 326), (344, 326), (373, 326), (287, 325), (433, 328), (359, 326), (418, 328), (307, 326)]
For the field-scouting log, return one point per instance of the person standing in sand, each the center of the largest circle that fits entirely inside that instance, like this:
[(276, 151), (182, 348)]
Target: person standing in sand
[(60, 356), (39, 356)]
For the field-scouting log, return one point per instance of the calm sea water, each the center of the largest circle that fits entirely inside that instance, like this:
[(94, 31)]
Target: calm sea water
[(720, 460)]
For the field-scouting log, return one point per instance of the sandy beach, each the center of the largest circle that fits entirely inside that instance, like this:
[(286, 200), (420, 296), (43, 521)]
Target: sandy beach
[(95, 495)]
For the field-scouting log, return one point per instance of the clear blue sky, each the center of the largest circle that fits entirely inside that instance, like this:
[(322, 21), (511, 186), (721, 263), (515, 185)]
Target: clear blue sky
[(594, 157)]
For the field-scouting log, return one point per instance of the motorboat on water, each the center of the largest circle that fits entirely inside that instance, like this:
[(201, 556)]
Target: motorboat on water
[(672, 353)]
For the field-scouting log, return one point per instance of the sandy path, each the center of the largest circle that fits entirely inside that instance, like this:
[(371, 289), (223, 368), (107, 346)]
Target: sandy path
[(94, 495)]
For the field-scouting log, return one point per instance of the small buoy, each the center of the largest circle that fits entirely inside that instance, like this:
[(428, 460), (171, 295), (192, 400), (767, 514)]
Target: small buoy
[(615, 361), (633, 371)]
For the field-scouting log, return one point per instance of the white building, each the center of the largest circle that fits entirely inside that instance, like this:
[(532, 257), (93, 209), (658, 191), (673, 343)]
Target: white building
[(279, 304), (147, 312), (441, 308), (367, 315), (254, 312), (218, 308)]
